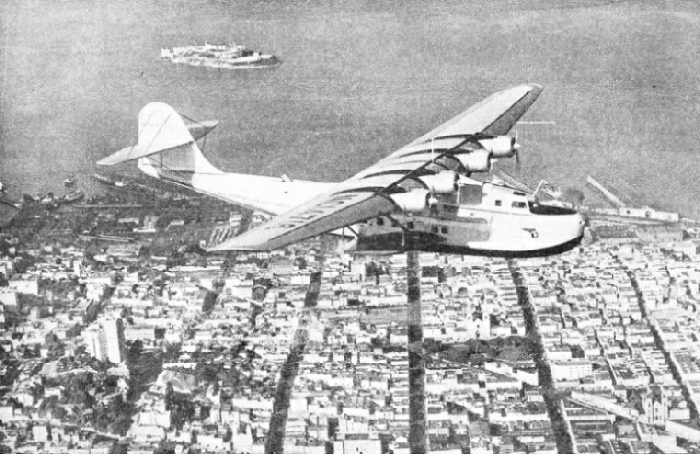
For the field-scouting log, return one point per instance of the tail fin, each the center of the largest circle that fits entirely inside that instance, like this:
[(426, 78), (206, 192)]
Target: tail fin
[(166, 147)]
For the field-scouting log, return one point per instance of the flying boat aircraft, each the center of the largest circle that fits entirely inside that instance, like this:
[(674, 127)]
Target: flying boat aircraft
[(420, 197)]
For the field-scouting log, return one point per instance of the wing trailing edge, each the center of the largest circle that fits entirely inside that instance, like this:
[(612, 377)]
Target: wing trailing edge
[(310, 220)]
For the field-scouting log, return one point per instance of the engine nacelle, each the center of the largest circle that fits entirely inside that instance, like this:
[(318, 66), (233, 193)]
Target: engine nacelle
[(500, 146), (413, 201), (444, 182), (476, 161)]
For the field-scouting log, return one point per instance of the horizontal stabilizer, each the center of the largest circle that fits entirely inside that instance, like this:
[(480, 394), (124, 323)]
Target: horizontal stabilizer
[(125, 154), (160, 129)]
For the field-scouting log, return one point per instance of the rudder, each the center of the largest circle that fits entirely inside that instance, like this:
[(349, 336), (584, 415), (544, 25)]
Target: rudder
[(166, 146)]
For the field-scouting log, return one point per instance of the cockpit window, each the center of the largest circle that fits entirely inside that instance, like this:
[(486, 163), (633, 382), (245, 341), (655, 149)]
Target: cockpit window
[(519, 205), (550, 210)]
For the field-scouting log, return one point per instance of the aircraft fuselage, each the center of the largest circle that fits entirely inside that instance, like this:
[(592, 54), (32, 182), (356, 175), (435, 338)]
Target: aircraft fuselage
[(479, 219)]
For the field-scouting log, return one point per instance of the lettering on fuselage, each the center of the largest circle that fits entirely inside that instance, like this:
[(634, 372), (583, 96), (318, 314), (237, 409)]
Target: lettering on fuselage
[(533, 232)]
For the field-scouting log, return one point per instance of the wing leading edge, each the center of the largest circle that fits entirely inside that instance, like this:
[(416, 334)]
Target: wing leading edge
[(365, 195)]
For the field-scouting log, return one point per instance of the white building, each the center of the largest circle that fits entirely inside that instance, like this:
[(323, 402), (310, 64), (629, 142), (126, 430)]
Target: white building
[(114, 335), (25, 286), (571, 370), (106, 342)]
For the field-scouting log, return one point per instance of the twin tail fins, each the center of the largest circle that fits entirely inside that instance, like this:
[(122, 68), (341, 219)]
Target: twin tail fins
[(160, 129)]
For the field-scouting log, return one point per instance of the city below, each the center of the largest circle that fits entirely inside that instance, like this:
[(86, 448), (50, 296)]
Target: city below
[(121, 334)]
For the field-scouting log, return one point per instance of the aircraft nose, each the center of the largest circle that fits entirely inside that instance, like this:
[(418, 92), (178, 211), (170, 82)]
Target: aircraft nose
[(579, 221)]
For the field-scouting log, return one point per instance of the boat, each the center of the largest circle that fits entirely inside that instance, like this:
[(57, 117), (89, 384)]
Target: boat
[(224, 56), (72, 197), (103, 179), (49, 201), (70, 181)]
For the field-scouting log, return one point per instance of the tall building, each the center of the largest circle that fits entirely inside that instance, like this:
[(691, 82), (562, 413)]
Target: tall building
[(94, 343), (114, 336), (106, 342)]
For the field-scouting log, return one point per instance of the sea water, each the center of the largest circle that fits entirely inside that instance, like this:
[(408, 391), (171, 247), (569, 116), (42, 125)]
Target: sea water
[(359, 80)]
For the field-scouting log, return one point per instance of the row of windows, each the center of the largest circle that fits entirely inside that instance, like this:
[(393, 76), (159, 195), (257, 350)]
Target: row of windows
[(498, 203), (444, 230), (410, 225)]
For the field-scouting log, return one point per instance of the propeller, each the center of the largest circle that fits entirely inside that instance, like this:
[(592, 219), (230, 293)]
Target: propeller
[(516, 150), (432, 199)]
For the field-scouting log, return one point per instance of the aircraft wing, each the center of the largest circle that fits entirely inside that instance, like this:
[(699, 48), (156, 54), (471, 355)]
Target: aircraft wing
[(366, 195)]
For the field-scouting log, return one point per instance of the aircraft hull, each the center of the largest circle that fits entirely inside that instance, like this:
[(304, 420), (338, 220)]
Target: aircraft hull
[(397, 242), (476, 232)]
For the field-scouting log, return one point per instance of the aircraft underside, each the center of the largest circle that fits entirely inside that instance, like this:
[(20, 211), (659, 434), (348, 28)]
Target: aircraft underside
[(524, 236), (401, 241)]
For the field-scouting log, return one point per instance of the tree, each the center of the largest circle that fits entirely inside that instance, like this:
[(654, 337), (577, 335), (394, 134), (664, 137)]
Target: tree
[(76, 392), (168, 396), (135, 350), (172, 352), (23, 264), (208, 373), (209, 301), (119, 448), (59, 413), (300, 262), (164, 450)]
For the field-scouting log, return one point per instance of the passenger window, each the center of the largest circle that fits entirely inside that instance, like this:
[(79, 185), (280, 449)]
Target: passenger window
[(443, 230), (380, 221), (409, 225), (519, 205), (498, 203), (434, 229)]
